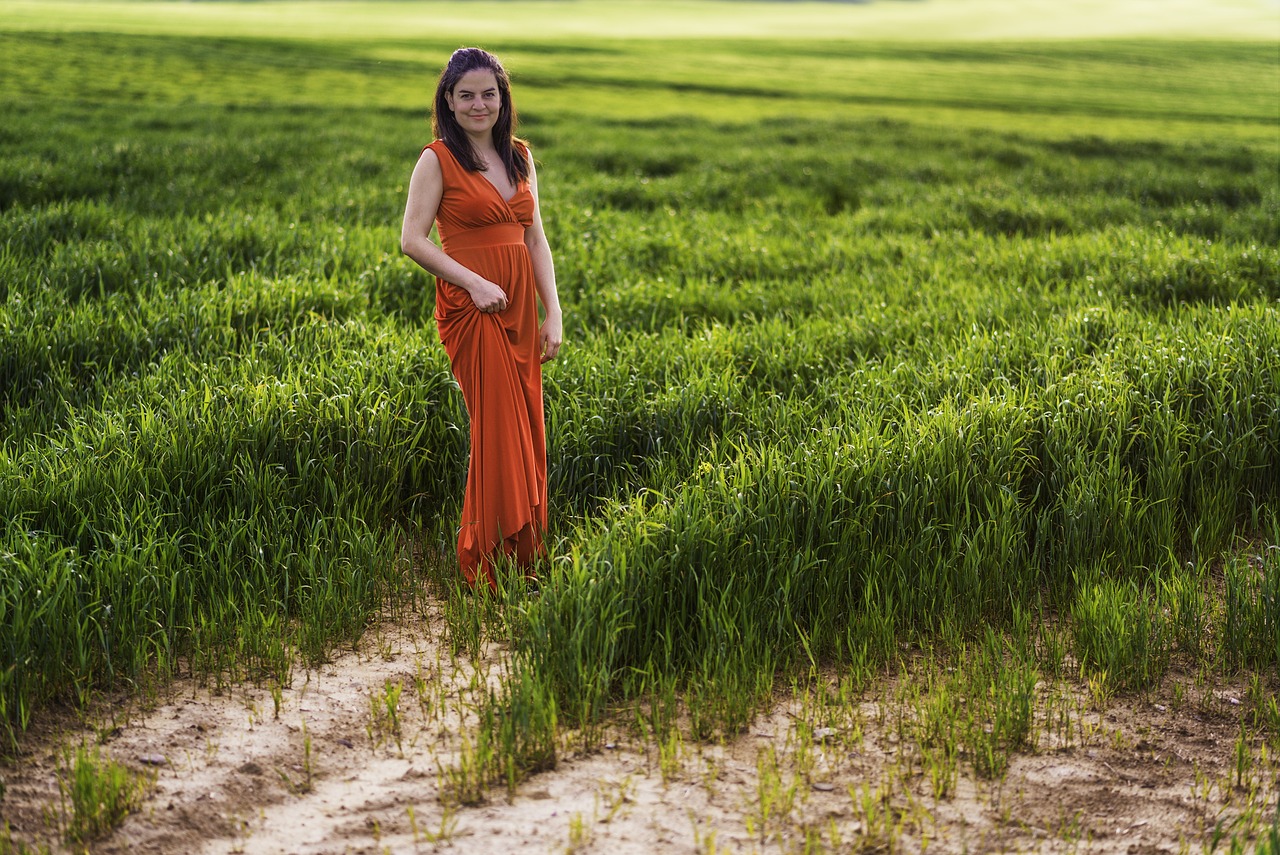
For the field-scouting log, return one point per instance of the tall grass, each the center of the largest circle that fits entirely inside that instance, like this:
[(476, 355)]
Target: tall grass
[(832, 384)]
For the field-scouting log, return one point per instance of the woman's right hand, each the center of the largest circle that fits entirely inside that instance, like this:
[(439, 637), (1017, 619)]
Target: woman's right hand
[(488, 297)]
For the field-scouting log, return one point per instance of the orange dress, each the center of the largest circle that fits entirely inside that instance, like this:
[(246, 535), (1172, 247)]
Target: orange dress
[(496, 360)]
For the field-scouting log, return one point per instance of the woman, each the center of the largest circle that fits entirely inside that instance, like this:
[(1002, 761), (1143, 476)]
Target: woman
[(476, 181)]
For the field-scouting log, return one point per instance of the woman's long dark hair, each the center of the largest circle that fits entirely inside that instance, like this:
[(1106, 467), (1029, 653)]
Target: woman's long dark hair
[(446, 127)]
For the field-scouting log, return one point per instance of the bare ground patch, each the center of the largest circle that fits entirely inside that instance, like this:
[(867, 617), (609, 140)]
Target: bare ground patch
[(355, 756)]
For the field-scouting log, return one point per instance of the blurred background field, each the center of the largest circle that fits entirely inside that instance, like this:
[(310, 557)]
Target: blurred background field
[(897, 20), (887, 323)]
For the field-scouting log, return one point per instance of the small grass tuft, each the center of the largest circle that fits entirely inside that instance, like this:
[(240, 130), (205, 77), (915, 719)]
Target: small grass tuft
[(101, 793)]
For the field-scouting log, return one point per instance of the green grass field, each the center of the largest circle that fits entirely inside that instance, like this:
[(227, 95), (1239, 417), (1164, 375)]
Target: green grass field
[(873, 339), (897, 20)]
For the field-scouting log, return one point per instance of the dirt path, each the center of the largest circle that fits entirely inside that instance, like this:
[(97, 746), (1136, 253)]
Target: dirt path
[(322, 772)]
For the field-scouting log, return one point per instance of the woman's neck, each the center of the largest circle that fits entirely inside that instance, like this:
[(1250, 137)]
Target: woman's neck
[(483, 145)]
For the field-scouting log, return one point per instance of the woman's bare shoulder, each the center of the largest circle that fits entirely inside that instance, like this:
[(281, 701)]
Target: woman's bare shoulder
[(429, 160)]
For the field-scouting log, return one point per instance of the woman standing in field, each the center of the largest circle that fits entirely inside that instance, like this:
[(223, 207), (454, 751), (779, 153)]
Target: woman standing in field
[(477, 181)]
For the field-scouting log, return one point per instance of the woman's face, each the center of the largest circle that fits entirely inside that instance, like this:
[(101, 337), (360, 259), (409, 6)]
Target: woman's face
[(475, 101)]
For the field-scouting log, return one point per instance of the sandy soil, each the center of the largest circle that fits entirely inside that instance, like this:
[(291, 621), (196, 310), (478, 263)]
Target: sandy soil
[(232, 773)]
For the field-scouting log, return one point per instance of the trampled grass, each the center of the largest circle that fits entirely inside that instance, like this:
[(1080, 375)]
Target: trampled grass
[(870, 344)]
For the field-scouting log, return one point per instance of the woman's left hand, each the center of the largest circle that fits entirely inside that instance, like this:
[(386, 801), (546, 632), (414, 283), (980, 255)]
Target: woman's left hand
[(551, 335)]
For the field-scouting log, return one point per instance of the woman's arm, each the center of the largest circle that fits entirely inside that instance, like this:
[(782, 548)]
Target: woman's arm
[(551, 334), (426, 187)]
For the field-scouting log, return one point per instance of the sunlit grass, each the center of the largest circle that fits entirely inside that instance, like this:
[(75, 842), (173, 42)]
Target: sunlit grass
[(101, 793), (1041, 88), (938, 20)]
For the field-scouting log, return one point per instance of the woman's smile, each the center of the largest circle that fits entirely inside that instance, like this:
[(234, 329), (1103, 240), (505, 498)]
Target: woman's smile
[(475, 100)]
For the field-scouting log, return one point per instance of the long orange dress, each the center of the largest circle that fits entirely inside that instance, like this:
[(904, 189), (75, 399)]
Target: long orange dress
[(496, 360)]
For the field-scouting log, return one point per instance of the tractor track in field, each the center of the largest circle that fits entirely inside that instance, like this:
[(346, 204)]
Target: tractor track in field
[(232, 773)]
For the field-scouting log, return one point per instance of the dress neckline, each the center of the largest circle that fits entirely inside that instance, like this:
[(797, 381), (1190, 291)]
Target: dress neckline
[(497, 190), (519, 187)]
